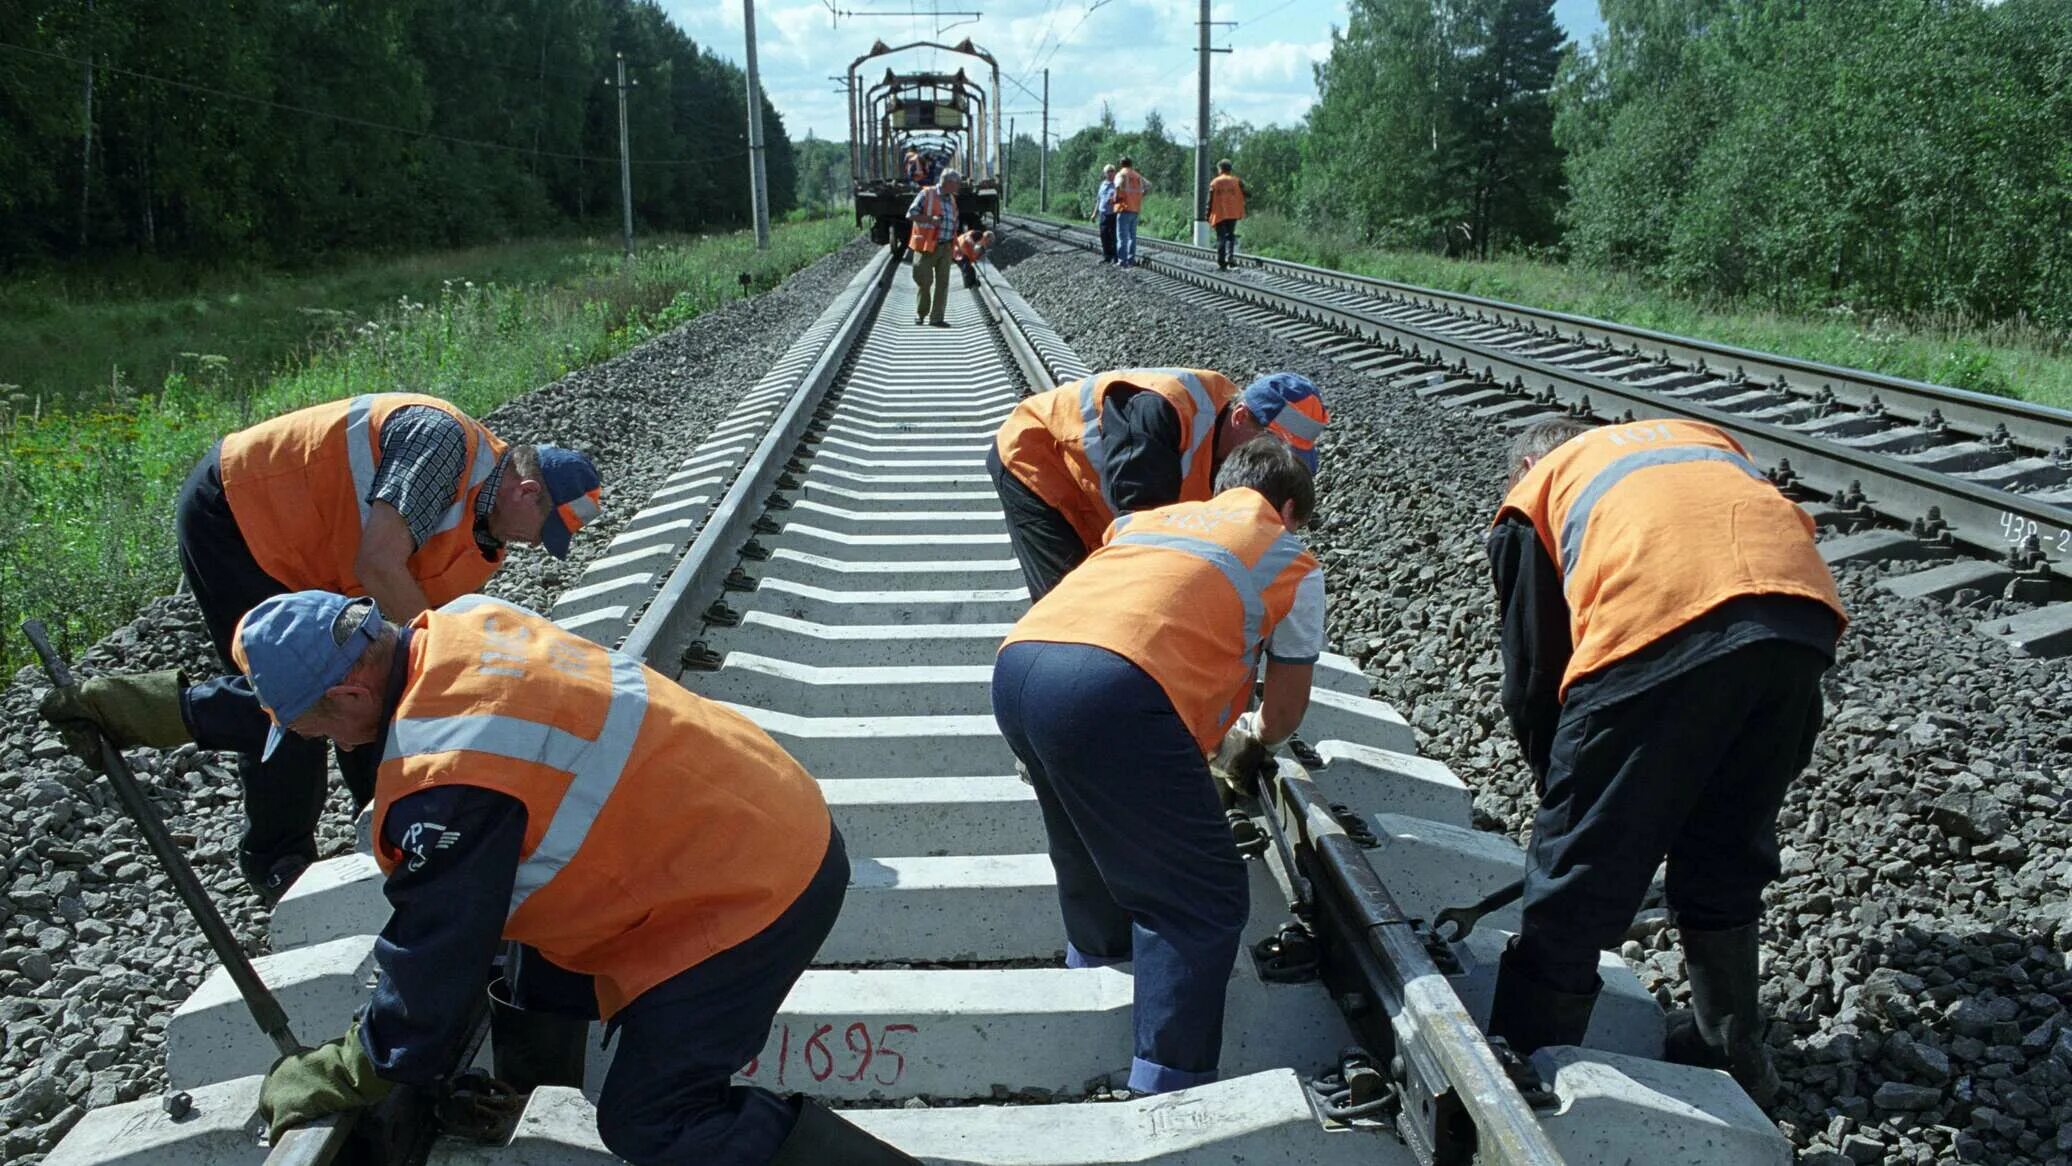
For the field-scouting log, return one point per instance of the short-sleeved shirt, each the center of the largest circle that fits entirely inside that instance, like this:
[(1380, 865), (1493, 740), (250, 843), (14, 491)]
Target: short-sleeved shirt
[(1299, 637), (946, 224), (1104, 200), (424, 456)]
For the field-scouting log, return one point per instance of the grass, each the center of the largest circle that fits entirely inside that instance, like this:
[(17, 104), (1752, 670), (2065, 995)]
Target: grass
[(2004, 359), (86, 488)]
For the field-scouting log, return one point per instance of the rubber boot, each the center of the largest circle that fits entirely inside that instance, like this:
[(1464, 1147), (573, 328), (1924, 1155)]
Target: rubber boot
[(1531, 1014), (823, 1138), (530, 1048), (1724, 1028)]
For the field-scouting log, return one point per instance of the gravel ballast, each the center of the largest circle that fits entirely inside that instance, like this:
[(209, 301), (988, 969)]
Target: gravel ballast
[(1916, 947), (97, 950)]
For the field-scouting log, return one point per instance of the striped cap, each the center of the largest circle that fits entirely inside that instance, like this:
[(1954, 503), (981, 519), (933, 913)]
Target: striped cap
[(572, 487), (1291, 409)]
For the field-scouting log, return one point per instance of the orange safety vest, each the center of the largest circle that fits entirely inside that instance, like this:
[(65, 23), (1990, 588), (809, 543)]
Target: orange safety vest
[(660, 827), (298, 487), (1052, 444), (916, 170), (1129, 190), (967, 247), (923, 236), (1226, 198), (1654, 523), (1189, 593)]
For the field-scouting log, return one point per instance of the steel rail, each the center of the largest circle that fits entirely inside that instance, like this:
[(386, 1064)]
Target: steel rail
[(2039, 428), (1976, 515)]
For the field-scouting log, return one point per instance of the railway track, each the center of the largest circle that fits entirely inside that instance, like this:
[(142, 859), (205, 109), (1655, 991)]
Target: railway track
[(832, 562), (1977, 487)]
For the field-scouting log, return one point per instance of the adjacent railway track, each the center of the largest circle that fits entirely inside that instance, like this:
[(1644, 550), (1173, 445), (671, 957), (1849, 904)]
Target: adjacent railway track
[(1910, 470), (833, 563)]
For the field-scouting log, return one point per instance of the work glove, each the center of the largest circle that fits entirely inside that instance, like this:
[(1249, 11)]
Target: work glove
[(143, 709), (1240, 756), (335, 1076)]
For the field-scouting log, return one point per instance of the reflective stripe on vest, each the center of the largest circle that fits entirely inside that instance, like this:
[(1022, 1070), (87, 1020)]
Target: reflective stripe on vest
[(1090, 402), (1575, 524)]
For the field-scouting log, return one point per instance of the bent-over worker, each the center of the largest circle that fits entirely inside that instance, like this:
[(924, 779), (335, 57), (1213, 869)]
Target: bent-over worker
[(1226, 208), (1116, 688), (933, 215), (395, 495), (1067, 461), (972, 246), (1666, 620), (659, 861)]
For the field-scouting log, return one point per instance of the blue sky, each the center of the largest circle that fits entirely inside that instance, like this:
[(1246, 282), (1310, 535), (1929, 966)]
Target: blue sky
[(1136, 55)]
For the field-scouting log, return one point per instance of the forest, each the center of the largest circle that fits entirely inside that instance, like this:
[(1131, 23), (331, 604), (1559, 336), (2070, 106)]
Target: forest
[(286, 133), (1910, 156)]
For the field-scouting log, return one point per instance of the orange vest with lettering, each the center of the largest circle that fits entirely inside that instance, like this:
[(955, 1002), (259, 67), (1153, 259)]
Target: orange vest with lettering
[(1226, 199), (1051, 443), (923, 236), (660, 827), (298, 487), (1129, 190), (1654, 523), (1189, 593)]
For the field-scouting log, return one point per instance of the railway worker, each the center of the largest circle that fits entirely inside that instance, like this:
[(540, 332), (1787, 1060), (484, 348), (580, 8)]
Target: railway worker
[(1104, 212), (655, 858), (1067, 461), (915, 167), (1115, 689), (395, 495), (933, 215), (1130, 189), (972, 246), (1665, 623), (1226, 207)]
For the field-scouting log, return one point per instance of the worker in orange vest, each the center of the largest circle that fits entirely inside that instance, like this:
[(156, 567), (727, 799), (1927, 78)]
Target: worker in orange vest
[(933, 219), (1067, 461), (1666, 619), (1116, 689), (1130, 189), (1226, 207), (395, 495), (971, 247), (915, 167), (650, 857)]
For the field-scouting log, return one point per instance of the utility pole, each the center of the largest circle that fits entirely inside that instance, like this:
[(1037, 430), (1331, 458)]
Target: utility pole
[(1043, 151), (758, 179), (1201, 131), (625, 160), (1007, 166), (86, 137)]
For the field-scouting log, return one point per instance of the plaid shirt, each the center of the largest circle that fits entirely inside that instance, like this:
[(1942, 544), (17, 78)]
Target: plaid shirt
[(424, 459)]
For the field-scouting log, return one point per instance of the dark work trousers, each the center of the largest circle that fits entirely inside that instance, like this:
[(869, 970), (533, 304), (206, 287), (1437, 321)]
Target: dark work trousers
[(284, 795), (1693, 769), (669, 1096), (1146, 868), (970, 272), (1108, 236), (1226, 242), (1044, 543)]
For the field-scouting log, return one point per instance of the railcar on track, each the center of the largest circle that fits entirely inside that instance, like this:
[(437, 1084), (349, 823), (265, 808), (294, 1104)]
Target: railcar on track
[(951, 118)]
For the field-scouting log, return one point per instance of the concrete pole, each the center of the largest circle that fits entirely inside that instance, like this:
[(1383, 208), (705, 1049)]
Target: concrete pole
[(1043, 151), (758, 177), (625, 163), (1007, 166), (1201, 137)]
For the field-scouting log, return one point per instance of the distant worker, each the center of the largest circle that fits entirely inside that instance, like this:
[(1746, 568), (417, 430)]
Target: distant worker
[(1666, 620), (394, 495), (1104, 213), (1130, 189), (1226, 207), (650, 857), (1114, 690), (933, 214), (972, 246), (915, 167), (1068, 461)]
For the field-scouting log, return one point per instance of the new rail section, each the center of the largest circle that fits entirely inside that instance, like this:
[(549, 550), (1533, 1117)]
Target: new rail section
[(833, 562)]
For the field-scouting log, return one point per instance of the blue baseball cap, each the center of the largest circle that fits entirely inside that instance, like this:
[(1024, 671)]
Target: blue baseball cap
[(1290, 407), (294, 647), (573, 491)]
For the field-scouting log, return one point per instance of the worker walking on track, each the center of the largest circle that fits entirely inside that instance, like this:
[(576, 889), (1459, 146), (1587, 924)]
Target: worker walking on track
[(1130, 189), (395, 495), (1104, 212), (655, 858), (1226, 208), (1666, 621), (933, 214), (1116, 688), (1067, 461)]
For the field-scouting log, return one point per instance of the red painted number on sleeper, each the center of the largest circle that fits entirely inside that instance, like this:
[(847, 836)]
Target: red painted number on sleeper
[(853, 1053)]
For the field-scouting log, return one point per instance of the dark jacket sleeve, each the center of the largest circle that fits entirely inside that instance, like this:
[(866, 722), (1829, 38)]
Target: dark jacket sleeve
[(450, 896), (1140, 437), (1535, 636)]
